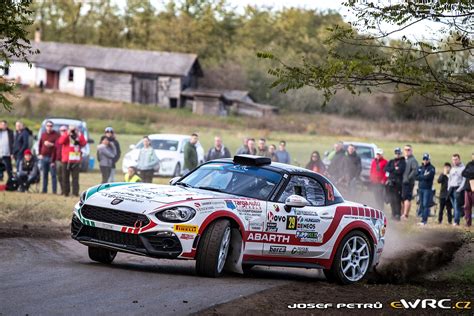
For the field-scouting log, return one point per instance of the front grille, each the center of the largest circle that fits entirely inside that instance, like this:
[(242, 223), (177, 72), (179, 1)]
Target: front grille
[(108, 215), (111, 236)]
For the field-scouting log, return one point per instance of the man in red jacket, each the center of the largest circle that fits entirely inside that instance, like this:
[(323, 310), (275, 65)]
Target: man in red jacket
[(378, 178), (71, 155), (46, 151)]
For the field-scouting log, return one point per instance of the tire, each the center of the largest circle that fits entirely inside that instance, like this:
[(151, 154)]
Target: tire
[(177, 170), (213, 249), (102, 255), (351, 266)]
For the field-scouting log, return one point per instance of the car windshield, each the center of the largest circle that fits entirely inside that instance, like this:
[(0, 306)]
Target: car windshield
[(57, 126), (248, 181), (161, 144)]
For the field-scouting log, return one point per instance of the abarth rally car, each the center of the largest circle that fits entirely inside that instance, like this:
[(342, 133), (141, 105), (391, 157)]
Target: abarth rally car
[(233, 214)]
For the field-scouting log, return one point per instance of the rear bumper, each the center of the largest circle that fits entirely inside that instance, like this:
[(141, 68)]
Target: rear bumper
[(156, 244)]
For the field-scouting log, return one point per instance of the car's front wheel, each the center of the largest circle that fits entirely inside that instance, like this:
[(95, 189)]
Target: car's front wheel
[(213, 249), (102, 255), (352, 260)]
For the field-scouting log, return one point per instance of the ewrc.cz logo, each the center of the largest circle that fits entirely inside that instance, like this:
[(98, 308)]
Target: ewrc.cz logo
[(430, 303), (257, 237)]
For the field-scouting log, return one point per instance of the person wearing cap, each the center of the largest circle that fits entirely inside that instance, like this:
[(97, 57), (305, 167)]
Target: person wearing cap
[(409, 177), (393, 185), (425, 177), (106, 153), (468, 174), (46, 150), (109, 132), (28, 171), (132, 175), (378, 178), (456, 187), (444, 202)]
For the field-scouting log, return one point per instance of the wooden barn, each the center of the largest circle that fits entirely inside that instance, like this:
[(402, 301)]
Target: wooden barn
[(146, 77)]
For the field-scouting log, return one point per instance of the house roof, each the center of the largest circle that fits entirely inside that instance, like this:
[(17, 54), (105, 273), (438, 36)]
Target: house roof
[(53, 55), (231, 95)]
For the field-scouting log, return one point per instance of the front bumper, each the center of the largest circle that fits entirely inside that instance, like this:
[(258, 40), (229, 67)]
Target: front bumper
[(153, 244)]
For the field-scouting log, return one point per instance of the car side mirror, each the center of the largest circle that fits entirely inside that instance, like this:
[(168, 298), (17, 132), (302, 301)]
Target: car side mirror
[(174, 180), (132, 146), (295, 201), (90, 141)]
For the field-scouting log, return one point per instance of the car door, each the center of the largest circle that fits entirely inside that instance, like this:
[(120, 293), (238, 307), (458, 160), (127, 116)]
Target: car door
[(299, 228)]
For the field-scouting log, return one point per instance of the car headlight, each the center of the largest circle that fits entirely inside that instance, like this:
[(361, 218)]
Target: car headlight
[(176, 214)]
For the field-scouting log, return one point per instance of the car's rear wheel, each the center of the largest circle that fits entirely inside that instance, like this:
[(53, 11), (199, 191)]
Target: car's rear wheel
[(213, 249), (352, 260), (102, 255)]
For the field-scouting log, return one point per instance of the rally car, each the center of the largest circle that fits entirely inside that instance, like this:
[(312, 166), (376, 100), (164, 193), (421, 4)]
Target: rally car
[(232, 214)]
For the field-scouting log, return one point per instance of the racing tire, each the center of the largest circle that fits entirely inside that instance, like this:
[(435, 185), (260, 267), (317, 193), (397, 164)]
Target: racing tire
[(213, 249), (352, 260), (102, 255), (177, 170)]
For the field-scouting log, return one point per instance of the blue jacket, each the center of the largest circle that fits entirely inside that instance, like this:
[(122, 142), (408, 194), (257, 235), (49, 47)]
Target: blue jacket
[(20, 143), (425, 176)]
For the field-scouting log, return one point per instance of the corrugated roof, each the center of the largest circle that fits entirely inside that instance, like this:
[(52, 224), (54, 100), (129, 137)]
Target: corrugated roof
[(114, 59), (232, 95)]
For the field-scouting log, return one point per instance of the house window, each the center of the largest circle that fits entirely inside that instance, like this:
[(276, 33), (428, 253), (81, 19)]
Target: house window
[(6, 71), (71, 75)]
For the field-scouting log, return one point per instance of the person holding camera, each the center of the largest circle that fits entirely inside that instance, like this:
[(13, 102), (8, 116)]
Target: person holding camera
[(71, 156)]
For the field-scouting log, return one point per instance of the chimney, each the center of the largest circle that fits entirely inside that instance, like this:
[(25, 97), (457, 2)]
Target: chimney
[(37, 35)]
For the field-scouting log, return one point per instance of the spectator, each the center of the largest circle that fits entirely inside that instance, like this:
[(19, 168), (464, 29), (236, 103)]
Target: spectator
[(147, 162), (28, 171), (109, 132), (262, 149), (272, 153), (468, 174), (6, 148), (71, 155), (378, 178), (393, 186), (251, 149), (106, 154), (46, 152), (409, 177), (20, 143), (352, 169), (58, 158), (444, 201), (131, 175), (425, 177), (316, 164), (282, 154), (336, 167), (455, 187), (190, 154), (244, 148), (218, 151)]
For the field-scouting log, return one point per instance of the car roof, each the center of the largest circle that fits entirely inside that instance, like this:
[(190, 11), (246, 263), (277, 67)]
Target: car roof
[(64, 121), (358, 144), (168, 136)]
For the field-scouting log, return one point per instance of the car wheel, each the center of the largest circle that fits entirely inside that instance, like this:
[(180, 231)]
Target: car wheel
[(177, 170), (102, 255), (213, 249), (352, 260)]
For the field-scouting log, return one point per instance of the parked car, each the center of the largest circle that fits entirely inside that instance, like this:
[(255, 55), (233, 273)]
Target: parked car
[(366, 153), (170, 150), (233, 214), (58, 122)]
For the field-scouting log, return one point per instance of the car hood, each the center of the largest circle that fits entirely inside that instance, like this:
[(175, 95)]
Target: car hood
[(142, 198)]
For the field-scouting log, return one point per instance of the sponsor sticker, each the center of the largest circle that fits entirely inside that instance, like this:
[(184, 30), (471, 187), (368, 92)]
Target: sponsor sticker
[(308, 219), (309, 236), (276, 207), (184, 228), (291, 223), (306, 226), (272, 227), (187, 236), (277, 249), (268, 237), (299, 251), (256, 226)]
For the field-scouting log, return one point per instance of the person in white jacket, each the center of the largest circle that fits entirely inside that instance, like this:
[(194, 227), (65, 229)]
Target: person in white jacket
[(456, 188), (147, 162)]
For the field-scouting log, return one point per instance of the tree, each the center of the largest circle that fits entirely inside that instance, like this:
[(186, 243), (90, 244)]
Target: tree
[(15, 17), (439, 70)]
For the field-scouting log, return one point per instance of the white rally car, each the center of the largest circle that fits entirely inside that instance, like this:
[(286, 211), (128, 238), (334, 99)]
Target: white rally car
[(231, 215)]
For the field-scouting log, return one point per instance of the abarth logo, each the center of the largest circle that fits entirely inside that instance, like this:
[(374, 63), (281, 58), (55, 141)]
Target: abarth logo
[(138, 224), (116, 201)]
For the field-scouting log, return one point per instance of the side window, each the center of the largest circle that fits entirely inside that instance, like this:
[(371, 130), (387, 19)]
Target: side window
[(306, 187)]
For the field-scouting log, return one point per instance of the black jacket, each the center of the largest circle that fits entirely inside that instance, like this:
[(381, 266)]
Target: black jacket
[(118, 152), (213, 153), (352, 166), (336, 168), (425, 176), (443, 180), (395, 176), (468, 173), (20, 143)]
